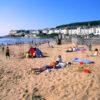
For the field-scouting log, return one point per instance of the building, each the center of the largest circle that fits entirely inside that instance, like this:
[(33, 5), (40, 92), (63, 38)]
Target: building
[(64, 31), (35, 32), (51, 31), (13, 32), (78, 31), (46, 30), (97, 30)]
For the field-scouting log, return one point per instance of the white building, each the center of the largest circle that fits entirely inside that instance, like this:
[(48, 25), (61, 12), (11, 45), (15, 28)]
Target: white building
[(45, 30), (64, 31), (51, 31), (72, 31), (78, 31), (84, 31), (35, 32), (98, 30), (13, 32), (56, 30)]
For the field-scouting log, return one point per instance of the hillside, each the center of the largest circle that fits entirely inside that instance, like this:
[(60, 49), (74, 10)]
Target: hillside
[(82, 24)]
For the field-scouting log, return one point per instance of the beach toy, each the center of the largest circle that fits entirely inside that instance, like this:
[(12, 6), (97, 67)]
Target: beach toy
[(81, 63), (87, 71)]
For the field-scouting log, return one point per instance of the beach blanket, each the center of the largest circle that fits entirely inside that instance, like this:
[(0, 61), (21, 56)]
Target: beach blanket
[(81, 50), (85, 61)]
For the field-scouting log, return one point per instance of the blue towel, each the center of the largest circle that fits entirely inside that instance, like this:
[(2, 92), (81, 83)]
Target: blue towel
[(83, 60)]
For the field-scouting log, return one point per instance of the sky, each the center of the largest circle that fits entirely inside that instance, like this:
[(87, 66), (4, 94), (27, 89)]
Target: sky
[(39, 14)]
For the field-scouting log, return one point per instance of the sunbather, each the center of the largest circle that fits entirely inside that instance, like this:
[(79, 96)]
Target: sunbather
[(50, 66), (70, 50)]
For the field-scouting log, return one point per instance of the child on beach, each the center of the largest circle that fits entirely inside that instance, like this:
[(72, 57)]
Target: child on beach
[(96, 52), (7, 52), (59, 59)]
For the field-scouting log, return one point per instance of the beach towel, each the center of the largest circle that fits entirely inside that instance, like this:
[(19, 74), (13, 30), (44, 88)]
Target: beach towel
[(82, 51), (85, 61)]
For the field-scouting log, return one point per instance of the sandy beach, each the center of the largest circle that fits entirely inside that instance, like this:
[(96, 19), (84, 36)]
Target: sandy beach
[(18, 81)]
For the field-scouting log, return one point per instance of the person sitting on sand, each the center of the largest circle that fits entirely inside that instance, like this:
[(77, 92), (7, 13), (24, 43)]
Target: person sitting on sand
[(59, 59), (96, 52), (32, 52), (7, 52)]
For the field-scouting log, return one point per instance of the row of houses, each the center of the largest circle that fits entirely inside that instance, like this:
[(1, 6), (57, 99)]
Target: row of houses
[(78, 31)]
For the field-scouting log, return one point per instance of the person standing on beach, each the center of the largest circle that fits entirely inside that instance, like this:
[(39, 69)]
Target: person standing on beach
[(89, 46), (7, 52), (3, 49)]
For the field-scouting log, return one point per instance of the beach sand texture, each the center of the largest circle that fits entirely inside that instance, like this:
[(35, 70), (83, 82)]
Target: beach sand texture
[(18, 81)]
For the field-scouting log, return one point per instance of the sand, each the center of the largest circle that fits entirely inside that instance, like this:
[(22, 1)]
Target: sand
[(18, 81)]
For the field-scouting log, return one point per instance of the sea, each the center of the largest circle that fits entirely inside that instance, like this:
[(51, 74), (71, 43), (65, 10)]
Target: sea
[(18, 40)]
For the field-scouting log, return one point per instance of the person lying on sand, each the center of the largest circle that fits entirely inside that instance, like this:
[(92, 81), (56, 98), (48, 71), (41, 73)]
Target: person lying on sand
[(70, 50), (52, 65)]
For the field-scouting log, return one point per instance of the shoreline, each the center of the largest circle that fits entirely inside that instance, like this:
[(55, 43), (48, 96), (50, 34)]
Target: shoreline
[(12, 41)]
